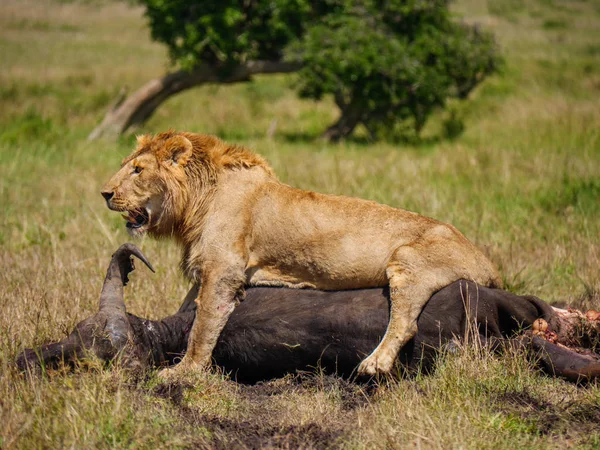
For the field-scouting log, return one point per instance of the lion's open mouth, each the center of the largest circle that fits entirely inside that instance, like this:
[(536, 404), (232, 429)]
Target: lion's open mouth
[(137, 218)]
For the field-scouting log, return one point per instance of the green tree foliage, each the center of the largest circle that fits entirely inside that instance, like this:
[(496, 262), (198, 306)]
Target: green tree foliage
[(227, 32), (387, 63)]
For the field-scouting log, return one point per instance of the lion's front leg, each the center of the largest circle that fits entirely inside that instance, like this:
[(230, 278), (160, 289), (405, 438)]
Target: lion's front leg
[(221, 285)]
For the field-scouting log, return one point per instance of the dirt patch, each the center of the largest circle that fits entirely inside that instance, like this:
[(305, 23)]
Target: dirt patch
[(538, 413), (546, 418), (522, 400), (172, 391), (351, 395), (262, 424), (221, 433), (585, 414)]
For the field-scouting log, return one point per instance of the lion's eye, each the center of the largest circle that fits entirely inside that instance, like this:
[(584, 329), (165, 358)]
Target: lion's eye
[(137, 169)]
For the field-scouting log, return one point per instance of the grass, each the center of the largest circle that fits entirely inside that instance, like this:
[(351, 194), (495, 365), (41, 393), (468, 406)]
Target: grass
[(522, 181)]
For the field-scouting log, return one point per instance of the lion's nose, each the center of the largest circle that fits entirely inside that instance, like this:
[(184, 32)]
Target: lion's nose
[(107, 195)]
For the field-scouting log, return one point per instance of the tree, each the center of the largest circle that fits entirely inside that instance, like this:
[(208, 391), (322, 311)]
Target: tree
[(385, 62), (389, 62)]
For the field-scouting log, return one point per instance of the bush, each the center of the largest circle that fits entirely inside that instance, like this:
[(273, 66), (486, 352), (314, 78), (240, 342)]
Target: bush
[(224, 32), (392, 62), (388, 64)]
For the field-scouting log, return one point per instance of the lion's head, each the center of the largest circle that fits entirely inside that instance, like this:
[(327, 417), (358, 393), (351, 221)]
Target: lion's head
[(144, 186), (164, 182)]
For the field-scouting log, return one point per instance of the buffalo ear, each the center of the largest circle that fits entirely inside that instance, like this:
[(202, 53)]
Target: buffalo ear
[(177, 151)]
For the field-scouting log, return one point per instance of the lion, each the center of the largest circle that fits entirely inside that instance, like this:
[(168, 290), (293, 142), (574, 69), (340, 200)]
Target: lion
[(238, 225)]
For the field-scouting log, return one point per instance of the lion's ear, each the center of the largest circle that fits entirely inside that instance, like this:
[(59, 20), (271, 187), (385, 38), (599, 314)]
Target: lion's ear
[(177, 151)]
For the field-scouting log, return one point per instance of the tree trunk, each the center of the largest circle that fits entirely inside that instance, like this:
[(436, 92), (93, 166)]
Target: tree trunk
[(350, 118), (139, 106)]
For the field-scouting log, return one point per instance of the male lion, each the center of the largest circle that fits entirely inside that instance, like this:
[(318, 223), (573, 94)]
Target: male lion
[(238, 225)]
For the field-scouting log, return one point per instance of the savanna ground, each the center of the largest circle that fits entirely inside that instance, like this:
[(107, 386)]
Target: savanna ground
[(522, 181)]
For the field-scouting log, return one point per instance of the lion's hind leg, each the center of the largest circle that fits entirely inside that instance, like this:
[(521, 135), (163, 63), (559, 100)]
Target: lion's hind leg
[(415, 273), (408, 296)]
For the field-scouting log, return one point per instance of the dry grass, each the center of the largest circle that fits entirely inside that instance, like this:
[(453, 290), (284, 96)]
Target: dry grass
[(522, 182)]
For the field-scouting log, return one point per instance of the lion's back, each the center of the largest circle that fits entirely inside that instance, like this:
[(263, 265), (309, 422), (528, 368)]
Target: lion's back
[(322, 239)]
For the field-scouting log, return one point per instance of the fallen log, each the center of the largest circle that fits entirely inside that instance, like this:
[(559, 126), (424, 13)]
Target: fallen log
[(275, 331)]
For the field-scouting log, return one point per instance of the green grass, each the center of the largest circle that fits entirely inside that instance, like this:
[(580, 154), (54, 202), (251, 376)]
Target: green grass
[(522, 181)]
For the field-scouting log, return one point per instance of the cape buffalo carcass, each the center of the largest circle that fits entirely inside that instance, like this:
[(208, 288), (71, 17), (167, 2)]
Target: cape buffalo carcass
[(275, 331)]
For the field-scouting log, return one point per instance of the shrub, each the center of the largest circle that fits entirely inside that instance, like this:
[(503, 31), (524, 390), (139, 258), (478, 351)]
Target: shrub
[(388, 64)]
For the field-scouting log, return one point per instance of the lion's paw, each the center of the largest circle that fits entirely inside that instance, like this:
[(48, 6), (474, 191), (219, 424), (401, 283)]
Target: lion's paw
[(169, 374), (181, 370), (376, 363)]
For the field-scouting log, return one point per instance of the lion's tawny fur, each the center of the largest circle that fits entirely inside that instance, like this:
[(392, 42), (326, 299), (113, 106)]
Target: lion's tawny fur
[(239, 225)]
